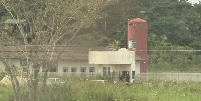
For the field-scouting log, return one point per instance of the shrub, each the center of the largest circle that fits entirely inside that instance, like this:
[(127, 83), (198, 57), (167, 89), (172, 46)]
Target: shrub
[(6, 93), (2, 75)]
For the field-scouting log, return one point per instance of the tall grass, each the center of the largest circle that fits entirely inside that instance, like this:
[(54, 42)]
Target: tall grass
[(80, 89), (6, 93)]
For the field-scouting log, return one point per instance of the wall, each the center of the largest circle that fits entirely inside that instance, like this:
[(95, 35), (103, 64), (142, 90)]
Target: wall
[(178, 77), (122, 56), (137, 67), (13, 61), (126, 67), (120, 67), (78, 64)]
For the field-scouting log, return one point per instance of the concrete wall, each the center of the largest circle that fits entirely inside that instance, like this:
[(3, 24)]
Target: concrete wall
[(126, 67), (179, 77), (122, 56), (69, 64), (78, 64), (137, 67), (120, 67), (15, 62)]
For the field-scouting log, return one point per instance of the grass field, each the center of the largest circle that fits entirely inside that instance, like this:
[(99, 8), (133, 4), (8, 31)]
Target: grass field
[(77, 89)]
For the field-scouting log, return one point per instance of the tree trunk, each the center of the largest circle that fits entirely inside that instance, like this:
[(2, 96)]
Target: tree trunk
[(30, 88), (14, 86), (44, 79), (17, 85), (36, 70), (11, 74)]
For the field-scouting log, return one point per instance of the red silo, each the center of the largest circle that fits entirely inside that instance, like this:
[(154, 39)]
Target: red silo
[(137, 34)]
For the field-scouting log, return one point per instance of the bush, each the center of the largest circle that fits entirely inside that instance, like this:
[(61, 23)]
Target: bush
[(77, 88), (6, 93), (2, 75)]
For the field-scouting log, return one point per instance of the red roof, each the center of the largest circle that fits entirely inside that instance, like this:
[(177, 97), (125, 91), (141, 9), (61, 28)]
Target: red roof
[(137, 20)]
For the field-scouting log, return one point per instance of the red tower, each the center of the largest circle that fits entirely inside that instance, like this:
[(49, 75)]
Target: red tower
[(137, 38)]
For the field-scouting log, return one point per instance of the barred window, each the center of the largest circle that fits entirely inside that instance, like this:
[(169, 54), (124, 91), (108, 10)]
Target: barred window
[(73, 69), (91, 69), (82, 69), (65, 69)]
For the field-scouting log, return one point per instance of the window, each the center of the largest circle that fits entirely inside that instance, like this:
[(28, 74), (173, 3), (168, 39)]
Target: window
[(65, 69), (52, 70), (23, 62), (73, 69), (108, 70), (133, 74), (125, 73), (25, 69), (104, 71), (82, 69), (91, 69)]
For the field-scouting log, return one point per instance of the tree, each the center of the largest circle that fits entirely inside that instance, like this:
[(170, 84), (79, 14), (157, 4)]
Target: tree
[(48, 22), (112, 26)]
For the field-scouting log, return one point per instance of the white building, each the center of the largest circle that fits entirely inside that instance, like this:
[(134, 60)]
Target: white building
[(82, 60)]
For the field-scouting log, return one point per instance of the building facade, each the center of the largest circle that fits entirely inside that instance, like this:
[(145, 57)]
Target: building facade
[(84, 61)]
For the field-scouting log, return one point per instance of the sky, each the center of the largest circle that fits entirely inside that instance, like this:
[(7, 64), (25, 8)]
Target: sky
[(193, 1)]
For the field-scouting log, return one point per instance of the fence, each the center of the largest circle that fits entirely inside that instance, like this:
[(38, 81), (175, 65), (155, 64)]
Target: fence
[(80, 74), (179, 77)]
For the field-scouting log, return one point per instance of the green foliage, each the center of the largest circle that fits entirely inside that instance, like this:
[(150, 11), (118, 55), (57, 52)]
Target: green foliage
[(77, 90), (179, 21), (169, 58), (57, 92), (2, 75), (6, 93)]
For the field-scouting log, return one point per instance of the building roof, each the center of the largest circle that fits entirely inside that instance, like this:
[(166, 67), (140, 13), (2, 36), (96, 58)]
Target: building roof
[(14, 21), (67, 53), (136, 20), (70, 53)]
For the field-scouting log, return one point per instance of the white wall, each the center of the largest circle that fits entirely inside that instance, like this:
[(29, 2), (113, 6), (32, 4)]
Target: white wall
[(120, 67), (69, 64), (15, 62), (76, 64), (100, 68), (127, 67), (122, 56)]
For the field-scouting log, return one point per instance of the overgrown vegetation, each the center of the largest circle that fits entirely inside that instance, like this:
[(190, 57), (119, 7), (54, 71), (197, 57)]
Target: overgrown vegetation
[(2, 75), (81, 89), (39, 26), (172, 24), (6, 93)]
